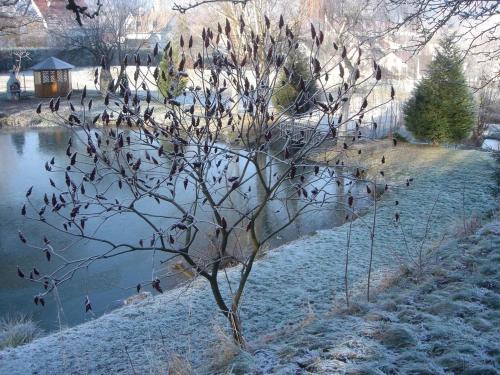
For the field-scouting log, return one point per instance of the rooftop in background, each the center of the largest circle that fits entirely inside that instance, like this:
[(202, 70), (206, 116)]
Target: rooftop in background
[(52, 63)]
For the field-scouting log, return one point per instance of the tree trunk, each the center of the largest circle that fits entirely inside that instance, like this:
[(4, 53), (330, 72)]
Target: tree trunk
[(104, 79), (235, 322), (231, 314)]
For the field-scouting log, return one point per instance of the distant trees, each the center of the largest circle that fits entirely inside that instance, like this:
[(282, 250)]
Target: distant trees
[(292, 94), (104, 36), (487, 105), (441, 108), (475, 21), (14, 15)]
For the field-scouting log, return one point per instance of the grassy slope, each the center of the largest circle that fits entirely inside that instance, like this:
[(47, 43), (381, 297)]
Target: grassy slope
[(447, 323)]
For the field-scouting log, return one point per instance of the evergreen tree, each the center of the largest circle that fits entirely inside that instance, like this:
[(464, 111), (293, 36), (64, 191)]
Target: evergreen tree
[(169, 81), (289, 96), (441, 108)]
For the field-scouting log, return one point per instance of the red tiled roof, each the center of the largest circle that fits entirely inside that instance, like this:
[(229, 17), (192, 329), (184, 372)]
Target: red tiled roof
[(55, 9)]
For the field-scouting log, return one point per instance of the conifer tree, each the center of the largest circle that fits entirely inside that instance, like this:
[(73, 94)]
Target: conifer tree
[(296, 86), (441, 109), (170, 83)]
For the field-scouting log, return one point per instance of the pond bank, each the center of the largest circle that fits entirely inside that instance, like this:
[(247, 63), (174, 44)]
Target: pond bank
[(288, 286)]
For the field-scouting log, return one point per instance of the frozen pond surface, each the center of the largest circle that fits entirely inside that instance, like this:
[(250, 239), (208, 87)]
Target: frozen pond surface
[(491, 144), (23, 155)]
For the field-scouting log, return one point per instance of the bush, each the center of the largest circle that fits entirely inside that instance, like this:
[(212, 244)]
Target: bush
[(288, 96), (441, 108), (15, 331)]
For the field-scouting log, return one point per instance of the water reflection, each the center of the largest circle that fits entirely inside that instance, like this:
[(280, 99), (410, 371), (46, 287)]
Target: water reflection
[(18, 140), (50, 142)]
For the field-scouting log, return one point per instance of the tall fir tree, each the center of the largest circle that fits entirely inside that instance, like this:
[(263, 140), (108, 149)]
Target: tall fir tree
[(441, 109), (169, 82), (289, 96)]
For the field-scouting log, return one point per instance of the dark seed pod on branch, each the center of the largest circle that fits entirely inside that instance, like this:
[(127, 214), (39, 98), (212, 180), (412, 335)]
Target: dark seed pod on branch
[(84, 93), (88, 306), (156, 285), (21, 237)]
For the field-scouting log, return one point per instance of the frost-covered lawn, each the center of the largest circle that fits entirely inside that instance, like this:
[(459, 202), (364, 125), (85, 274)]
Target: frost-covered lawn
[(448, 323), (289, 311)]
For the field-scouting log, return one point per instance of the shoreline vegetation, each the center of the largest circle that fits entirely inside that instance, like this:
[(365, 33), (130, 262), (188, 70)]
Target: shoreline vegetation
[(310, 326)]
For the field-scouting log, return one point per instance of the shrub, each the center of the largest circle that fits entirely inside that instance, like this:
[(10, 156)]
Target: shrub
[(15, 331), (441, 108)]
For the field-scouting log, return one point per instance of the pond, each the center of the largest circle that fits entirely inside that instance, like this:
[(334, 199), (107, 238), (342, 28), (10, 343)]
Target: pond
[(108, 283), (491, 144)]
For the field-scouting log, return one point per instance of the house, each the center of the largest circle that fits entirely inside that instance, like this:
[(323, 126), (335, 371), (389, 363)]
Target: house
[(394, 64)]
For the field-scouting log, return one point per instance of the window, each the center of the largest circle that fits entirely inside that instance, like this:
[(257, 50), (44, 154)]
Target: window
[(62, 76)]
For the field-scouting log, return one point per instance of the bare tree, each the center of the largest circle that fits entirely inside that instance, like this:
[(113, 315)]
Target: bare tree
[(19, 56), (153, 151), (14, 15), (350, 27), (487, 98), (183, 7), (105, 37), (476, 23)]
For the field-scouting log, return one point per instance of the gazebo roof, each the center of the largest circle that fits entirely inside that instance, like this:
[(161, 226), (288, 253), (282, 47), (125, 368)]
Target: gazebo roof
[(52, 63)]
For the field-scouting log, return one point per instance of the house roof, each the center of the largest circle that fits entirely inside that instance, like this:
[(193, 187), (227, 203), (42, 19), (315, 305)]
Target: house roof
[(52, 63)]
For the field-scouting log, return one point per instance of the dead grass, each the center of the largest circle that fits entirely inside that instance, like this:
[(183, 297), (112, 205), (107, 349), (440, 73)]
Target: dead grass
[(292, 328), (225, 350), (467, 226), (392, 279), (179, 366), (17, 330)]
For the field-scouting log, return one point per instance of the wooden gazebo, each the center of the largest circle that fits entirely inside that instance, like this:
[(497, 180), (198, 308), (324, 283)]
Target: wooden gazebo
[(52, 78)]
